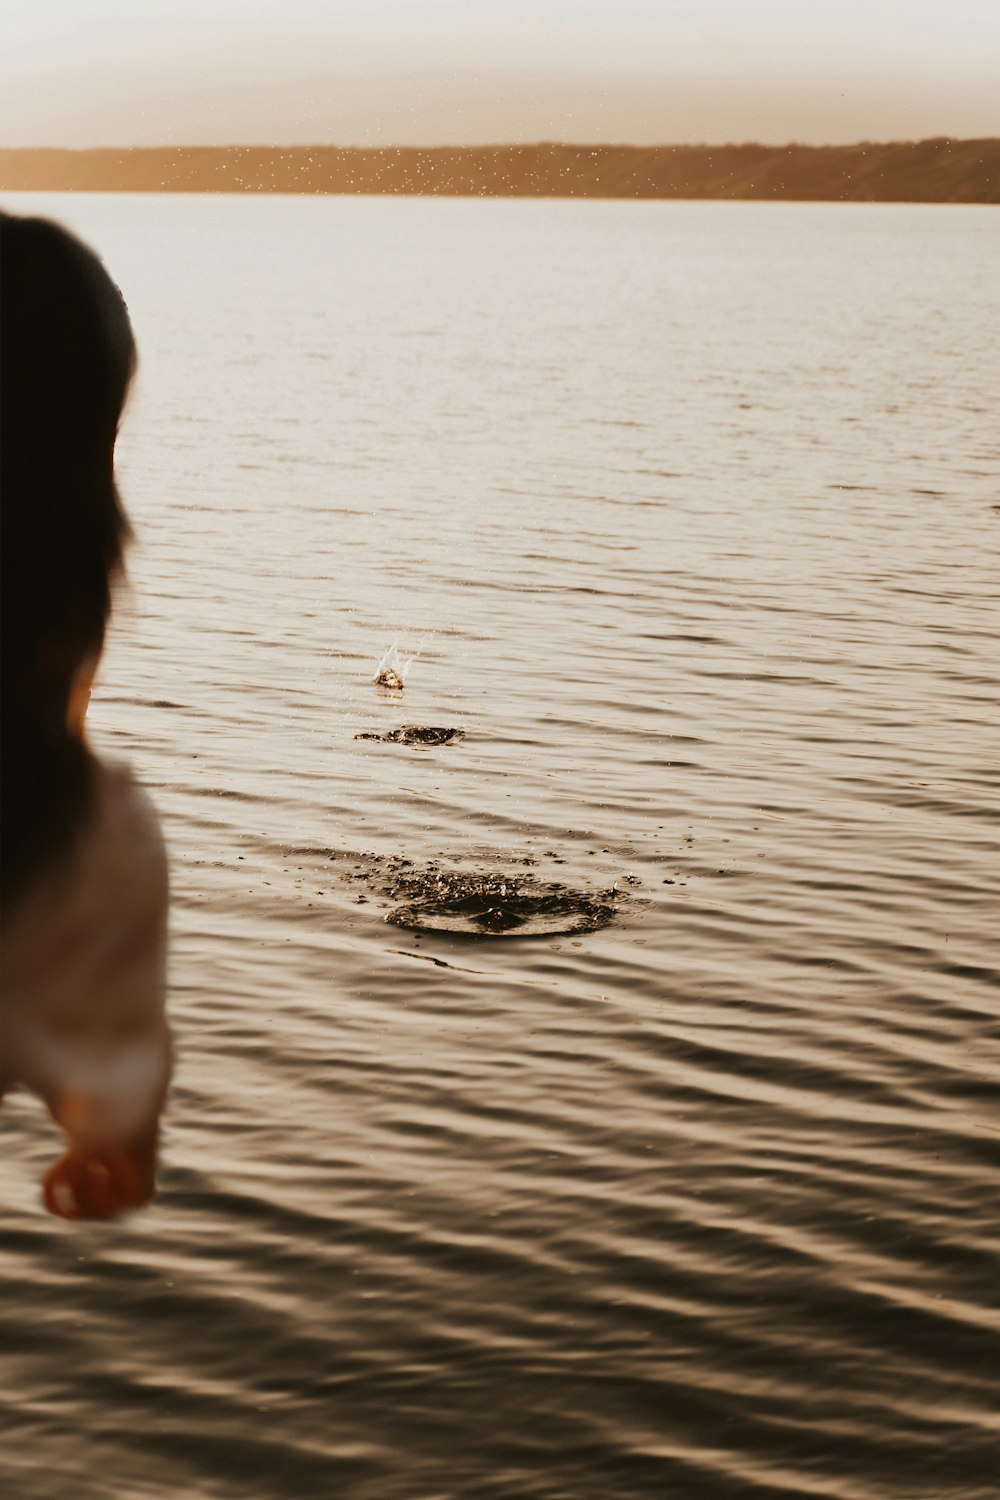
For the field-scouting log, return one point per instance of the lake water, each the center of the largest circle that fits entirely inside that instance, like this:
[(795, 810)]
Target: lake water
[(689, 516)]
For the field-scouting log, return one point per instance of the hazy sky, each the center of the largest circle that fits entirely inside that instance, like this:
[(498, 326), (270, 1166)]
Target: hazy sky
[(123, 72)]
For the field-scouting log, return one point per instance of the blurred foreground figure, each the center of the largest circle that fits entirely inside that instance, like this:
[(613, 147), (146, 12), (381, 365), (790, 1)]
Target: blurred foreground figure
[(83, 872)]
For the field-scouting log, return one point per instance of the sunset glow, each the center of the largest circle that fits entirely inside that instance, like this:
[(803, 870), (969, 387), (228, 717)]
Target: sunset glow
[(379, 72)]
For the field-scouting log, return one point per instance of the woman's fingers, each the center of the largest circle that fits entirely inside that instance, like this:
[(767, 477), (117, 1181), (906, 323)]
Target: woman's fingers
[(63, 1188), (101, 1184)]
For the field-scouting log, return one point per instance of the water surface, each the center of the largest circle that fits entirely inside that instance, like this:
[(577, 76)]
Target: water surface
[(688, 515)]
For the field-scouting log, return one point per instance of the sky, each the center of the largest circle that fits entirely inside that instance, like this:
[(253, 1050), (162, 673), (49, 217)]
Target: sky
[(424, 72)]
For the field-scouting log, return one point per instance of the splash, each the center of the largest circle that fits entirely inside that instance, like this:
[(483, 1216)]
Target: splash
[(494, 905), (420, 735), (391, 670)]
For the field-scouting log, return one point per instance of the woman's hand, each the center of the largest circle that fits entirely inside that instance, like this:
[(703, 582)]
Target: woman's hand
[(100, 1184)]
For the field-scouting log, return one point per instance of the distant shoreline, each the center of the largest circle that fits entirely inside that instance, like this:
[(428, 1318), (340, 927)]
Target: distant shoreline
[(932, 171)]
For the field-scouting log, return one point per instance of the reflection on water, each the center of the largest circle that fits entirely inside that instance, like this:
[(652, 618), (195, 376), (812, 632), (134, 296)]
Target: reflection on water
[(689, 510)]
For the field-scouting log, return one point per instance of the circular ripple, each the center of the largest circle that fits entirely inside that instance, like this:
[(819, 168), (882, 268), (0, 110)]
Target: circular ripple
[(476, 905)]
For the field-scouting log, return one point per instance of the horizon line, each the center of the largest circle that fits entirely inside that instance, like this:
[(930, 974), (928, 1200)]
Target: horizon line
[(588, 145)]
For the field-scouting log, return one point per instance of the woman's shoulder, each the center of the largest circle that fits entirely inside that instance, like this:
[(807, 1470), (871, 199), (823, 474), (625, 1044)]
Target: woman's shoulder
[(121, 855), (112, 876), (84, 950), (124, 816)]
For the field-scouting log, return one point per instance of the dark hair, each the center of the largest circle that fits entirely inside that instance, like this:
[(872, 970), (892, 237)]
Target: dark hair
[(66, 359)]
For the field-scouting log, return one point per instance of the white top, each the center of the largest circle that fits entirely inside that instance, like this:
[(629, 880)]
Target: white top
[(83, 972)]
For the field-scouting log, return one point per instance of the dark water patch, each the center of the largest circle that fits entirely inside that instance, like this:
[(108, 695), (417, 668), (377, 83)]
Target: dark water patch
[(418, 735), (229, 794), (439, 963), (129, 700)]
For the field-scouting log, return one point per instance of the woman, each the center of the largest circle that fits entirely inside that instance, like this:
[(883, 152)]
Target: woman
[(82, 867)]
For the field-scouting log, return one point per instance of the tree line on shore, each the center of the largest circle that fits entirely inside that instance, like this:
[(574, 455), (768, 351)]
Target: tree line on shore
[(932, 171)]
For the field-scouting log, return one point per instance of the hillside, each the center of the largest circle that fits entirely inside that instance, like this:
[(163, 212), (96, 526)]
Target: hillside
[(933, 171)]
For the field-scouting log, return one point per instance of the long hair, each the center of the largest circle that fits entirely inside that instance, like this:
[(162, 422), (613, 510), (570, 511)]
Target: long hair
[(67, 356)]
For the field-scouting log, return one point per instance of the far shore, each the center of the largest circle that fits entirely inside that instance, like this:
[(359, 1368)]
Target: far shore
[(931, 171)]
